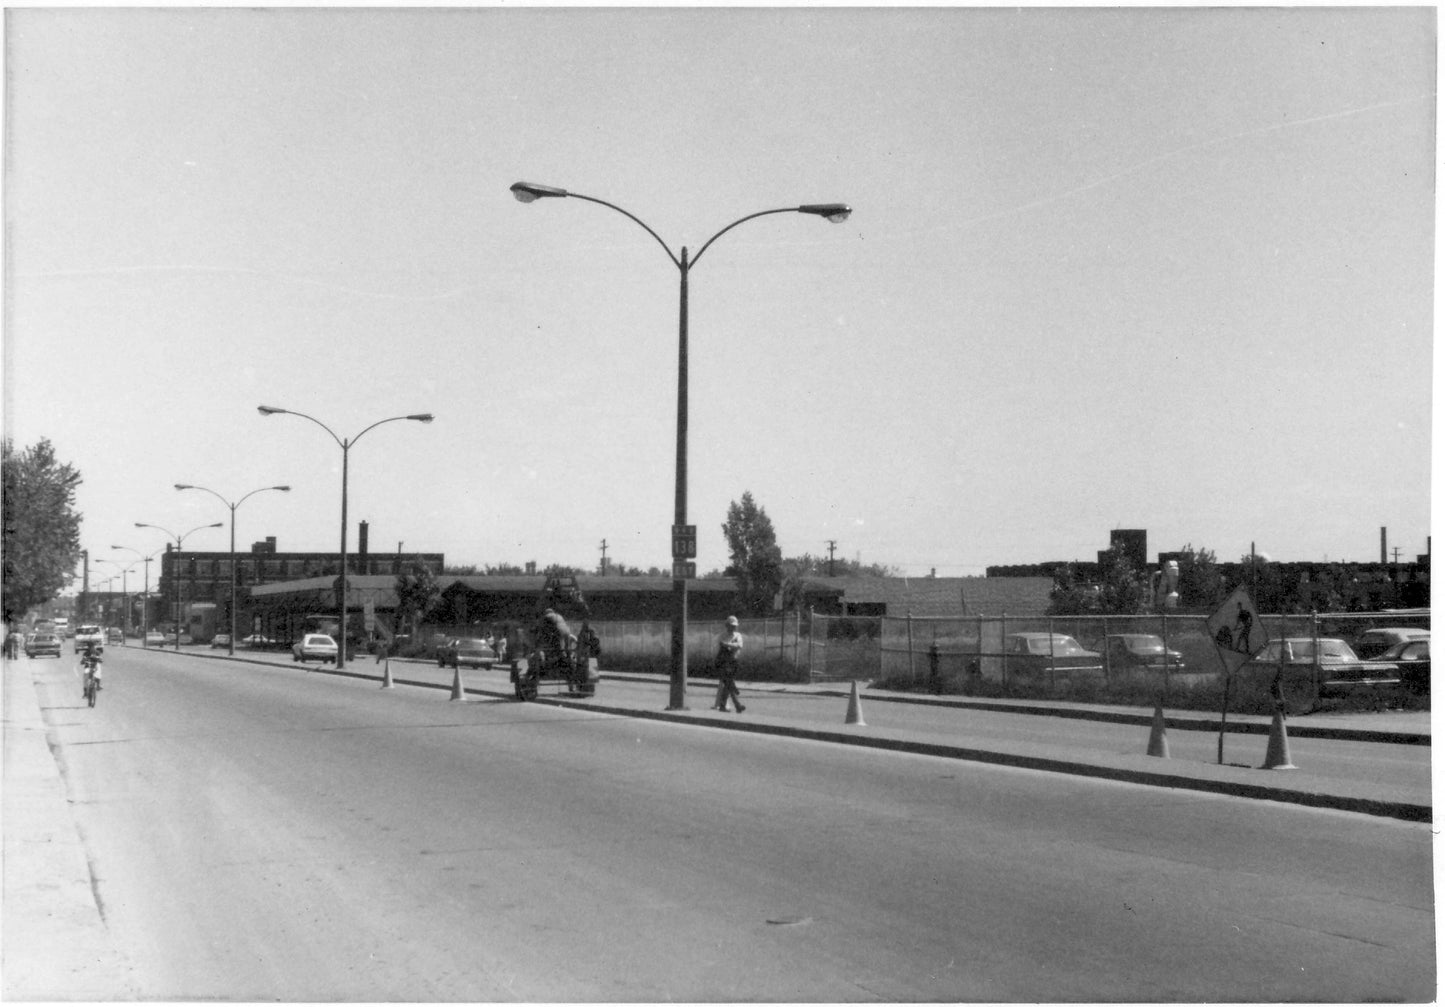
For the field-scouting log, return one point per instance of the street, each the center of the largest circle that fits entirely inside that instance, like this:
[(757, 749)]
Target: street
[(262, 833)]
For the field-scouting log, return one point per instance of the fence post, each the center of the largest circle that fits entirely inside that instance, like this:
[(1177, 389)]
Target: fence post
[(797, 633), (1164, 627), (882, 638), (1003, 646), (910, 647), (1051, 655), (812, 628), (1105, 649)]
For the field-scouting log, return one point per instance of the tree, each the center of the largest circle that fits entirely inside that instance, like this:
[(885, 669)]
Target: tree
[(416, 594), (757, 562), (42, 527), (1201, 582)]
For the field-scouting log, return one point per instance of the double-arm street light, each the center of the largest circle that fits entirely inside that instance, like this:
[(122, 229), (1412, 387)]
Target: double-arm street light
[(146, 593), (231, 646), (684, 537), (345, 445), (125, 569), (180, 542)]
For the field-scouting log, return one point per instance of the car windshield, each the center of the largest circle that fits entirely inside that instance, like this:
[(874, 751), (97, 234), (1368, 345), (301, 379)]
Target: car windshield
[(473, 645)]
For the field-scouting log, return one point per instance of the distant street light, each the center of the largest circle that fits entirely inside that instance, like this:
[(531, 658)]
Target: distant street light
[(146, 593), (231, 647), (684, 540), (180, 542), (345, 446)]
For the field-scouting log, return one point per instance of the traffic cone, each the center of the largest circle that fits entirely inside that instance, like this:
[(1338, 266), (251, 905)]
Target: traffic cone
[(1276, 756), (457, 691), (386, 682), (1158, 743), (855, 709)]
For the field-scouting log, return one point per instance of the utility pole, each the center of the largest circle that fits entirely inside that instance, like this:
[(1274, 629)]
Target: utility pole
[(832, 543), (604, 557)]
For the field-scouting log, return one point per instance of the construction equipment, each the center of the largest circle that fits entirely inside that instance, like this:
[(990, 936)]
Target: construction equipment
[(549, 651)]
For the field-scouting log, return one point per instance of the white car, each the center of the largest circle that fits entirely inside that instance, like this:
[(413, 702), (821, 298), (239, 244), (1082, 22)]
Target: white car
[(88, 636), (314, 647)]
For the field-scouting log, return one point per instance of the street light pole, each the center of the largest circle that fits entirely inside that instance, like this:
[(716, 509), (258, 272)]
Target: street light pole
[(231, 647), (528, 192), (180, 542), (145, 619), (345, 445)]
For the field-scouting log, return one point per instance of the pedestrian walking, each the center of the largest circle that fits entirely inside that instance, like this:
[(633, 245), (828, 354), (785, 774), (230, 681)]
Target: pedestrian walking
[(728, 648)]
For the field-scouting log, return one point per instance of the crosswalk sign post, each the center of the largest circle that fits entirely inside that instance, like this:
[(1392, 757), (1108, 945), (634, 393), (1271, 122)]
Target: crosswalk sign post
[(1238, 634)]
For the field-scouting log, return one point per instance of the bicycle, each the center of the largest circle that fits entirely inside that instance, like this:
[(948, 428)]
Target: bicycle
[(90, 688)]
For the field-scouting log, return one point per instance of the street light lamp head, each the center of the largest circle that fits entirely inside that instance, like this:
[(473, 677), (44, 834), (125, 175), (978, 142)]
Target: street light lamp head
[(528, 192), (184, 486), (269, 410), (421, 417), (834, 212), (283, 489)]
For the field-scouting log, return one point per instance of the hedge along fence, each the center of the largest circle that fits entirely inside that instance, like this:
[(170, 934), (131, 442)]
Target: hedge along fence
[(772, 647)]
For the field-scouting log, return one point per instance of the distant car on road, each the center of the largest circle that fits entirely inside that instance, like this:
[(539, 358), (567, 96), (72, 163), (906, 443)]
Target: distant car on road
[(88, 635), (256, 640), (1037, 654), (115, 635), (1412, 659), (1141, 650), (314, 647), (1341, 669), (469, 652), (1374, 642), (220, 640), (154, 638), (40, 644)]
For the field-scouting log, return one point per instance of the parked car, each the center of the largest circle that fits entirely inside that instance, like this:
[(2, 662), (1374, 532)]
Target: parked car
[(314, 647), (155, 638), (88, 635), (220, 640), (256, 640), (40, 644), (1341, 669), (469, 652), (1127, 651), (1036, 654), (1374, 642), (1412, 658)]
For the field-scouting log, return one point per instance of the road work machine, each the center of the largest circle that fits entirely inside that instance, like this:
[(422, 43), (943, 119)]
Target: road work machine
[(549, 650)]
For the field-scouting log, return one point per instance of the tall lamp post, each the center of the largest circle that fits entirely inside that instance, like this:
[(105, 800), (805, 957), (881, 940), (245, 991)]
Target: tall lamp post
[(145, 621), (345, 445), (180, 542), (684, 537), (124, 569), (231, 646)]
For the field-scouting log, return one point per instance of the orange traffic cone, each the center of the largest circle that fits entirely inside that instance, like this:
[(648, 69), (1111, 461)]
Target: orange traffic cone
[(1158, 743), (855, 709), (386, 682), (1276, 755), (457, 691)]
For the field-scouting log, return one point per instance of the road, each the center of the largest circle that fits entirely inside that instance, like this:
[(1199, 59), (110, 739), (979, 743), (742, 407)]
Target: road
[(261, 833)]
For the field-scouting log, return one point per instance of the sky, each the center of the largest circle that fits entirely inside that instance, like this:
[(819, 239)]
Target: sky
[(1163, 268)]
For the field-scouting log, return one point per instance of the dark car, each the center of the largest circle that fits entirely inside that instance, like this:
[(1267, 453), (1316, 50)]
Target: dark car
[(1127, 651), (1033, 655), (40, 644), (1412, 658), (1340, 668), (466, 652), (1373, 643)]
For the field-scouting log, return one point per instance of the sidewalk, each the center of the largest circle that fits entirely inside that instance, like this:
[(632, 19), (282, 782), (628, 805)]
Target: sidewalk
[(1411, 802)]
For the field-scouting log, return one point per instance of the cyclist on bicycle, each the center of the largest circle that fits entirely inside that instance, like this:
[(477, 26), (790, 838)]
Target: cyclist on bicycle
[(91, 668)]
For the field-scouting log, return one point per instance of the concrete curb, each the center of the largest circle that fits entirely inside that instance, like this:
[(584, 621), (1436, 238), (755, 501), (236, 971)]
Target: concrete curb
[(1115, 768)]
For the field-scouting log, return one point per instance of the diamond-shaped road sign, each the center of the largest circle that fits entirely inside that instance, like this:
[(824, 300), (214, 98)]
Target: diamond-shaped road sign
[(1237, 631)]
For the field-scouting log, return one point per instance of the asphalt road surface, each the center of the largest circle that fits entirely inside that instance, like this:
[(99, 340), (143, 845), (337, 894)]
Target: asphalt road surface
[(259, 833)]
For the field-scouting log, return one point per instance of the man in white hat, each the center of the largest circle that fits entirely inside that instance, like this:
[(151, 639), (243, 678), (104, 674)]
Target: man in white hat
[(728, 648)]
